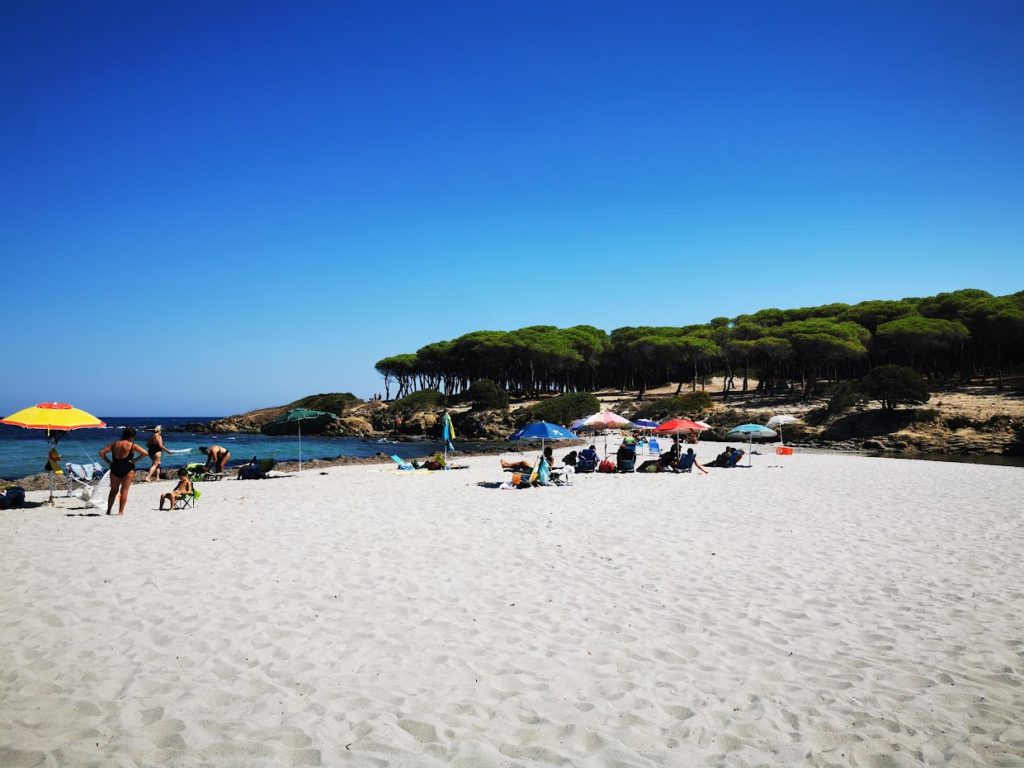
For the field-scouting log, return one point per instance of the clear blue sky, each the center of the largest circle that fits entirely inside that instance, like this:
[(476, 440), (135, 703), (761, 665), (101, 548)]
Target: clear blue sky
[(207, 206)]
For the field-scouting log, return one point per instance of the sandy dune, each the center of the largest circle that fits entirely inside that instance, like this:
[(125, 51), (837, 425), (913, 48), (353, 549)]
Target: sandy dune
[(814, 610)]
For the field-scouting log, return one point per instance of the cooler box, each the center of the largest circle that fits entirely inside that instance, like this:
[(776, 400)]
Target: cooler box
[(784, 450)]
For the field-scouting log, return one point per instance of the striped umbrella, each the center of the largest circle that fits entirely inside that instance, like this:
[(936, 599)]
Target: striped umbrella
[(602, 421)]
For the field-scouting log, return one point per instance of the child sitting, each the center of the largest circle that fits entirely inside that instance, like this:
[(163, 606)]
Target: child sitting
[(183, 488)]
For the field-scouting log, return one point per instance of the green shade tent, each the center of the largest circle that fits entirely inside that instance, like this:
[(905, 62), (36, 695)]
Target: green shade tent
[(291, 423)]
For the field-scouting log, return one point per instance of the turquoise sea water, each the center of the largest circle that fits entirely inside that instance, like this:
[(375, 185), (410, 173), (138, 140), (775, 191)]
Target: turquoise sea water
[(23, 451)]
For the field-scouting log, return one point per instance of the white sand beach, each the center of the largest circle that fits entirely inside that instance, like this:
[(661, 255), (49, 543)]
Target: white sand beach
[(818, 610)]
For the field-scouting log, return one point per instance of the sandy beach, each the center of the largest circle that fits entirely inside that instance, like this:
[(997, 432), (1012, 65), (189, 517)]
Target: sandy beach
[(819, 610)]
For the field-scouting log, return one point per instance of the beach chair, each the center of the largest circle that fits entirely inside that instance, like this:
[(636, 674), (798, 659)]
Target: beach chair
[(686, 462), (402, 463), (561, 475), (199, 473), (653, 447), (583, 466), (188, 500), (95, 496), (82, 475), (734, 459)]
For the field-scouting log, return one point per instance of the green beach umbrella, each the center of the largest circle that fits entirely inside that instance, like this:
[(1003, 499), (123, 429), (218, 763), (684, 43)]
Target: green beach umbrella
[(282, 425)]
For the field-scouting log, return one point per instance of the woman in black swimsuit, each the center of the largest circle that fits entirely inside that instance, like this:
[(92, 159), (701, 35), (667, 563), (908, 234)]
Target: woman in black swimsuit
[(155, 447), (122, 467)]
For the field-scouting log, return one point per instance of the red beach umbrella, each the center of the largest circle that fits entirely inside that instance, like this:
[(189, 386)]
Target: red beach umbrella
[(677, 427)]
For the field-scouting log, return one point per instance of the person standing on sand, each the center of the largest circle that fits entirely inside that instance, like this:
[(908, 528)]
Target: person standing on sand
[(155, 447), (122, 466), (216, 457)]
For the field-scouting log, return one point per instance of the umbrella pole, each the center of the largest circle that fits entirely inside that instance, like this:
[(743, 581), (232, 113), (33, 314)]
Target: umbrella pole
[(53, 444), (300, 446)]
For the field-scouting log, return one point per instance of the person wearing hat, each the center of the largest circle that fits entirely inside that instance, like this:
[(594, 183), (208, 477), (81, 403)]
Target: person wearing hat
[(155, 447)]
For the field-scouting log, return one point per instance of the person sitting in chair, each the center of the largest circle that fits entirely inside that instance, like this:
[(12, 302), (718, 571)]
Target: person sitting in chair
[(625, 457), (183, 488), (722, 459), (587, 460), (689, 461), (216, 457), (664, 463)]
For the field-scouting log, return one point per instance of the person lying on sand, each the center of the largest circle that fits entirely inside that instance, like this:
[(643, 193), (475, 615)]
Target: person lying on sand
[(183, 488), (525, 466)]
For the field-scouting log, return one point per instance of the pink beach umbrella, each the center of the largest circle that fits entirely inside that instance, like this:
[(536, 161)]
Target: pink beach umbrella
[(602, 421)]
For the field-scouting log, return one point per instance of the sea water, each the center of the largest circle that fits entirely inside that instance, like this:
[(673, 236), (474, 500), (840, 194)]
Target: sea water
[(23, 451)]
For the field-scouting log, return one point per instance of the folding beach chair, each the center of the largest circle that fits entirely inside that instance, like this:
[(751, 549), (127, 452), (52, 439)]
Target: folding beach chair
[(653, 447), (82, 475), (95, 496), (188, 500), (402, 463)]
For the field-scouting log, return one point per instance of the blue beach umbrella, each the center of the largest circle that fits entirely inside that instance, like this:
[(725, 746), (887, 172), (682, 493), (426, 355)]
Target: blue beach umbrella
[(644, 423), (543, 430), (750, 431)]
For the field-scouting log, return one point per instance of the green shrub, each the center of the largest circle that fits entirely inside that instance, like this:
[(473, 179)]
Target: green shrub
[(690, 405), (892, 385), (332, 402), (565, 409), (485, 394), (844, 397), (424, 400)]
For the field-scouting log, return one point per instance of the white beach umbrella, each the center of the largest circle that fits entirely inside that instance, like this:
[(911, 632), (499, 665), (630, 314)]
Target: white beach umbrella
[(779, 421)]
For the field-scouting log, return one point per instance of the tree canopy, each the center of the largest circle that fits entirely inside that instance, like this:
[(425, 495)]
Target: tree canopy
[(968, 333)]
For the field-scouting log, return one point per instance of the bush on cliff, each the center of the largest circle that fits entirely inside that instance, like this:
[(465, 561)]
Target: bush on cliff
[(565, 409), (845, 396), (486, 395), (332, 402), (424, 400), (893, 385), (691, 405)]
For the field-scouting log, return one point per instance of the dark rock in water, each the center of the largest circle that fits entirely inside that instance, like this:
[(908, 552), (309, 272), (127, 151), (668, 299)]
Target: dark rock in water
[(872, 445)]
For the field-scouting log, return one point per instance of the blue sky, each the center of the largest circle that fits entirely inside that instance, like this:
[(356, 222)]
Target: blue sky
[(208, 207)]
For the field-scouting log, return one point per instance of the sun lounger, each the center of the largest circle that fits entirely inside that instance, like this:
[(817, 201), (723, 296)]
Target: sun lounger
[(402, 463), (199, 473)]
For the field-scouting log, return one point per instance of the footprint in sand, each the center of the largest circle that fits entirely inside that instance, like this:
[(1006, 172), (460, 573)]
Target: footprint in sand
[(422, 732)]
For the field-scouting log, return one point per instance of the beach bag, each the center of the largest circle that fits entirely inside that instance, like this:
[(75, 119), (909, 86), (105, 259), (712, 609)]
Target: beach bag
[(12, 497), (606, 466)]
